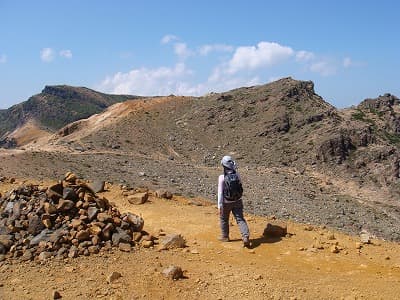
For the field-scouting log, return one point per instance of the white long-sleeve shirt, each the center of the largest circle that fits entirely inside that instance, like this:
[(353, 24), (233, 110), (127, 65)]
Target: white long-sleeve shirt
[(221, 190)]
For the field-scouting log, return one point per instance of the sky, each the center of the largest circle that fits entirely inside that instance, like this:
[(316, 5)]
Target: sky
[(349, 49)]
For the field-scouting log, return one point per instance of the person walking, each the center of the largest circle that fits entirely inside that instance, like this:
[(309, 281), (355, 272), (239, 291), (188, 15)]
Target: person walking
[(230, 192)]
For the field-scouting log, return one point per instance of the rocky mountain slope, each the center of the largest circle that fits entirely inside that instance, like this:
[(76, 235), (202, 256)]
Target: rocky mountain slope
[(300, 157), (53, 108)]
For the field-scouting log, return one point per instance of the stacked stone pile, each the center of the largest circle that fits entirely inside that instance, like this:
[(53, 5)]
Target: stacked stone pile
[(67, 219)]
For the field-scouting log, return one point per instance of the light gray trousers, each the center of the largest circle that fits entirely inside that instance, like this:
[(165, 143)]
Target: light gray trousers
[(237, 210)]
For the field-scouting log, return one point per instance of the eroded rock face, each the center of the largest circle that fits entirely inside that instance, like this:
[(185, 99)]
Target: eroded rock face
[(67, 219)]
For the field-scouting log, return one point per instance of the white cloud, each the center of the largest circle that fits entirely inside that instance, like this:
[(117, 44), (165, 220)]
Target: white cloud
[(66, 53), (47, 54), (182, 50), (304, 56), (3, 58), (145, 81), (324, 68), (206, 49), (169, 38), (347, 62), (262, 55)]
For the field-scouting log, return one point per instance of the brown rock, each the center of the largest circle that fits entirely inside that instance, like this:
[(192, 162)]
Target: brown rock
[(93, 249), (164, 194), (125, 247), (104, 217), (70, 177), (137, 236), (96, 240), (274, 230), (94, 230), (147, 244), (83, 235), (56, 295), (138, 198), (49, 208), (75, 223), (47, 223), (113, 277)]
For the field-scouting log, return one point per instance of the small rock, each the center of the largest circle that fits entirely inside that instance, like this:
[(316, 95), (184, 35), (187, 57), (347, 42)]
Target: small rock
[(27, 256), (164, 194), (97, 186), (113, 277), (138, 198), (173, 272), (56, 295), (365, 237), (147, 244), (335, 249), (125, 247), (273, 230), (83, 235), (44, 255), (173, 241)]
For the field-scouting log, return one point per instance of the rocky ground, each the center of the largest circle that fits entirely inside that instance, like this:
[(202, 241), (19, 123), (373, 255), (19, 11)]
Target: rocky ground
[(304, 195), (310, 262)]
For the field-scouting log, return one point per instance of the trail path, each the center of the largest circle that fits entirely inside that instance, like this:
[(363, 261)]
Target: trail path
[(301, 266)]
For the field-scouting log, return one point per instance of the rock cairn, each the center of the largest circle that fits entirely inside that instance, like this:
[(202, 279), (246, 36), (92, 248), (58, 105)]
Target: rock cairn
[(66, 219)]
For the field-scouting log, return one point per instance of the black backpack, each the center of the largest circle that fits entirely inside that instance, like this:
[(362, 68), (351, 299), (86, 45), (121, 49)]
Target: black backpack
[(233, 189)]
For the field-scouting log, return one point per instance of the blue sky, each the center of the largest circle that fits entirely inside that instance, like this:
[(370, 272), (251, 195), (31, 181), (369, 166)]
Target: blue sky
[(349, 49)]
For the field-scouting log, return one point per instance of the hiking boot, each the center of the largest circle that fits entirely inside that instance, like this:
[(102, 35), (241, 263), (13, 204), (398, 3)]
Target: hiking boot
[(246, 243), (223, 239)]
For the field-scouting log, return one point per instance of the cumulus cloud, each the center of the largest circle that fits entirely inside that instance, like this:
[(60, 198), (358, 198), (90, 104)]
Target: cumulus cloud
[(66, 53), (169, 38), (262, 55), (206, 49), (145, 81), (3, 58), (47, 54)]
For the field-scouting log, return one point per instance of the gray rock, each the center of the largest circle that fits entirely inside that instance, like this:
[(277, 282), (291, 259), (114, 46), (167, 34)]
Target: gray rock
[(35, 224), (65, 205), (97, 186), (44, 255), (173, 272), (136, 222), (27, 255), (173, 241), (69, 194), (121, 236), (43, 236), (92, 212)]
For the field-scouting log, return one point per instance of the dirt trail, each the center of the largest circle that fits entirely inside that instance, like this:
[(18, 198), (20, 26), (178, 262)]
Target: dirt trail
[(301, 266)]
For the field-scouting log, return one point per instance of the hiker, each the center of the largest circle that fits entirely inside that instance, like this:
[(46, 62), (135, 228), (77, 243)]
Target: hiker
[(230, 199)]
